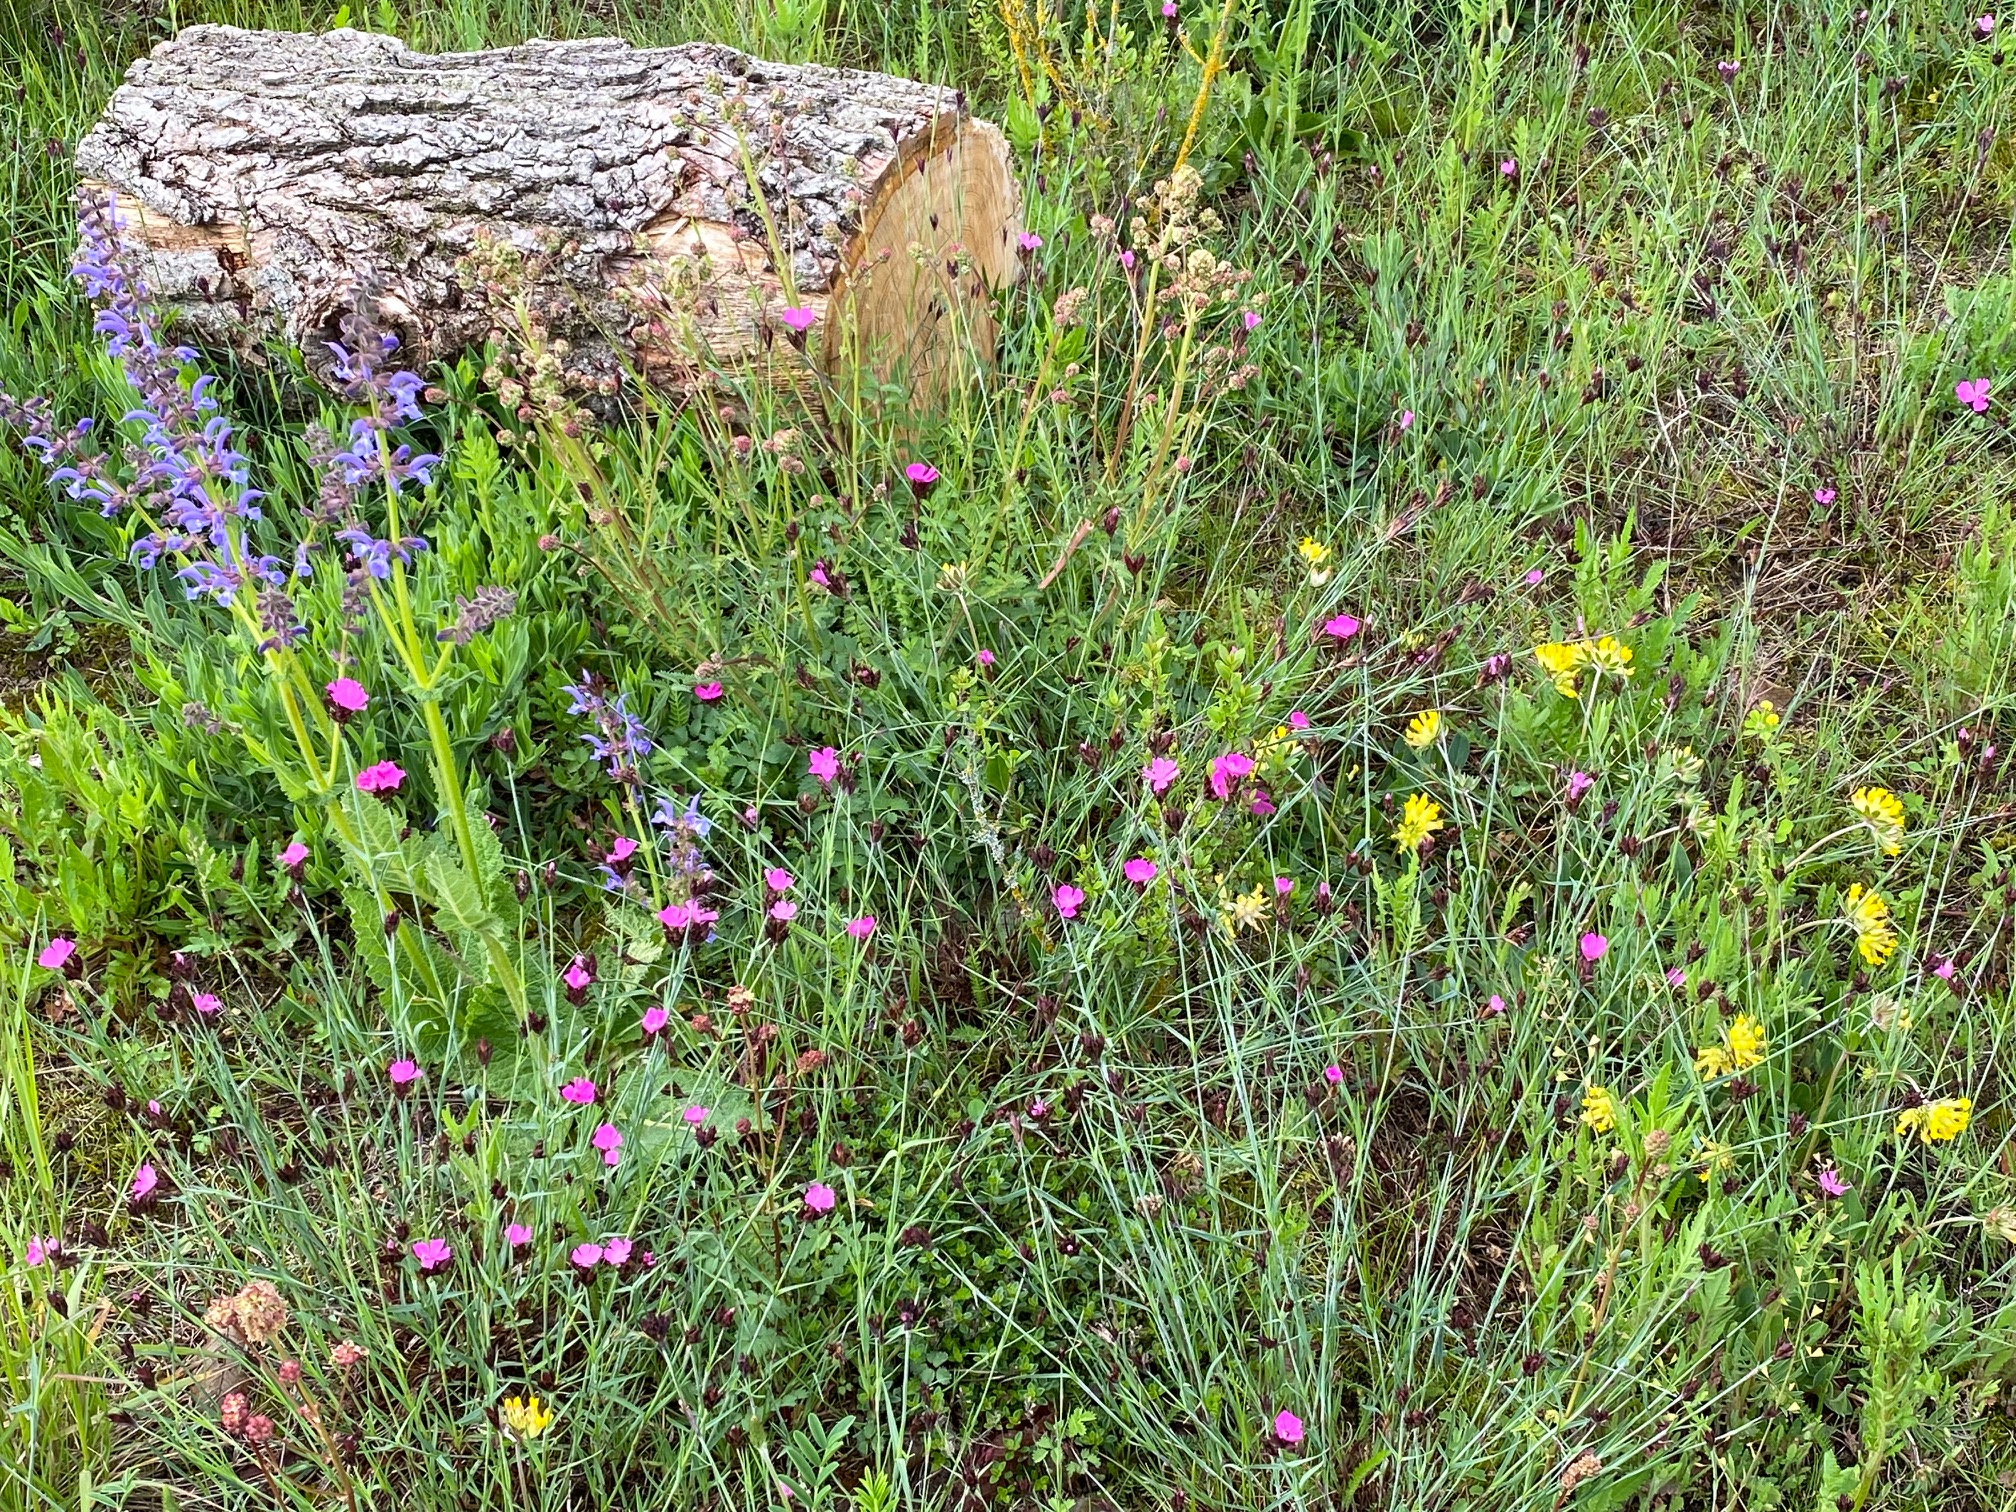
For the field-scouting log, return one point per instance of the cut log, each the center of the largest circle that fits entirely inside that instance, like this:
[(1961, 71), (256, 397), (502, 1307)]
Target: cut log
[(277, 180)]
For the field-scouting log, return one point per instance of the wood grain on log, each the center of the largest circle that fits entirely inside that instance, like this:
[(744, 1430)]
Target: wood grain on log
[(278, 179)]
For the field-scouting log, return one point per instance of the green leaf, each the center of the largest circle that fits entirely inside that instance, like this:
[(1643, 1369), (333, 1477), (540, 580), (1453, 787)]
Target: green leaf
[(456, 893)]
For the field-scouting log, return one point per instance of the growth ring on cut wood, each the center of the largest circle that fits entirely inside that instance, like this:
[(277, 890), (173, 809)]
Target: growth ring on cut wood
[(277, 179)]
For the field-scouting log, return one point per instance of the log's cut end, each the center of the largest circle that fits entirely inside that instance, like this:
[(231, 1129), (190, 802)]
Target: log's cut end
[(669, 211)]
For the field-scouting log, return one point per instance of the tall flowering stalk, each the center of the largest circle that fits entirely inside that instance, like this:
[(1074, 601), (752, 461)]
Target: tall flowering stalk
[(188, 488)]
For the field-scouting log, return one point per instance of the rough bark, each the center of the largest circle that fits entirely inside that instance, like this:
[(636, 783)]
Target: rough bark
[(278, 180)]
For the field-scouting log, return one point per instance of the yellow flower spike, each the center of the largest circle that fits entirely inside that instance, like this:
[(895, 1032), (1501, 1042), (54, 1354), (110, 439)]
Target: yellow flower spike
[(526, 1417), (1561, 660), (1424, 729), (1609, 657), (1712, 1061), (1869, 916), (1599, 1110), (1879, 809), (1418, 820)]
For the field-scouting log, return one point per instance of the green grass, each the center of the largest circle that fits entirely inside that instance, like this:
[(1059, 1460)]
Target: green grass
[(1630, 364)]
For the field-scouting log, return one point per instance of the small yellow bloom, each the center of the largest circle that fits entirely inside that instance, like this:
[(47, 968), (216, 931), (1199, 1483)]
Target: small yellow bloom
[(1314, 552), (1599, 1110), (1936, 1122), (1746, 1042), (1762, 721), (1249, 911), (1869, 916), (1424, 729), (1561, 660), (1610, 657), (1880, 810), (1418, 820), (526, 1417), (1711, 1061)]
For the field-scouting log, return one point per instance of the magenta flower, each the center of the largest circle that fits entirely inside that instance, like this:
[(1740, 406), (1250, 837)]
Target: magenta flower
[(922, 477), (1227, 771), (1593, 947), (1341, 627), (609, 1142), (1287, 1427), (615, 1251), (1283, 886), (1127, 258), (1333, 1074), (1406, 419), (1140, 871), (778, 880), (402, 1073), (1973, 392), (819, 1198), (578, 976), (695, 1115), (823, 764), (1578, 784), (1068, 900), (1832, 1184), (1168, 10), (1250, 320), (620, 852), (1535, 576), (145, 1180), (1494, 1007), (516, 1234), (783, 910), (862, 927), (56, 954), (294, 857), (1823, 496), (586, 1256), (1944, 969), (1028, 241), (676, 917), (381, 779), (1262, 804), (432, 1253), (707, 692), (655, 1019), (1509, 168), (207, 1004), (39, 1250), (1727, 68), (347, 695), (1297, 720), (799, 318), (1675, 978), (1159, 773), (580, 1092), (986, 657), (1984, 26)]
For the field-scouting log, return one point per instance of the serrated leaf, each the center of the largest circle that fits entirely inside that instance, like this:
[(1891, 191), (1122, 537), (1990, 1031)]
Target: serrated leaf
[(456, 893)]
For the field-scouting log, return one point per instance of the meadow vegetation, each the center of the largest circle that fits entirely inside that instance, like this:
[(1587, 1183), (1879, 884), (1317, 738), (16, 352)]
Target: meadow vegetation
[(1375, 872)]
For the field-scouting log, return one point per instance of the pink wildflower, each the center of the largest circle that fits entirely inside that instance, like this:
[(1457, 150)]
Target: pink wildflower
[(1578, 784), (1973, 392), (1140, 871), (986, 657), (1509, 168), (1406, 419), (1283, 886), (1262, 804), (819, 1198), (1297, 720), (208, 1004), (1593, 947), (1159, 773), (578, 976), (145, 1180), (294, 857), (824, 764), (862, 927), (517, 1235), (1287, 1427), (1333, 1074), (1227, 771), (707, 692), (432, 1253), (655, 1019), (1944, 969), (347, 696), (1823, 496), (1028, 241), (798, 317), (778, 880), (783, 910), (1341, 627), (609, 1142), (1250, 320), (1675, 978), (696, 1115), (402, 1072), (381, 779), (1068, 900), (586, 1256), (1494, 1007), (580, 1092), (1832, 1184), (56, 954)]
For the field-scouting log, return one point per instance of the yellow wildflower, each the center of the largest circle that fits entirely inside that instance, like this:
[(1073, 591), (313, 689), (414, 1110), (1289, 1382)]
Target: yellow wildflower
[(1599, 1110), (1424, 729), (1609, 657), (1746, 1042), (526, 1417), (1880, 810), (1711, 1061), (1561, 660), (1317, 555), (1936, 1122), (1249, 910), (2001, 1222), (1869, 916), (1762, 721), (1418, 820)]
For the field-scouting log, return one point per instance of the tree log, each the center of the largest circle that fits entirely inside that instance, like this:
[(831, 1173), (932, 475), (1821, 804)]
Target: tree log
[(278, 180)]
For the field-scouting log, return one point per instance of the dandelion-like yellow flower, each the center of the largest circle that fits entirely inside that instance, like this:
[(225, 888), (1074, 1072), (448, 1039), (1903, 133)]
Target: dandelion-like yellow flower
[(526, 1417), (1869, 916), (1746, 1042), (1418, 820), (1599, 1110), (1609, 657), (1561, 660), (1880, 810), (1424, 729), (1936, 1122), (1317, 555)]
